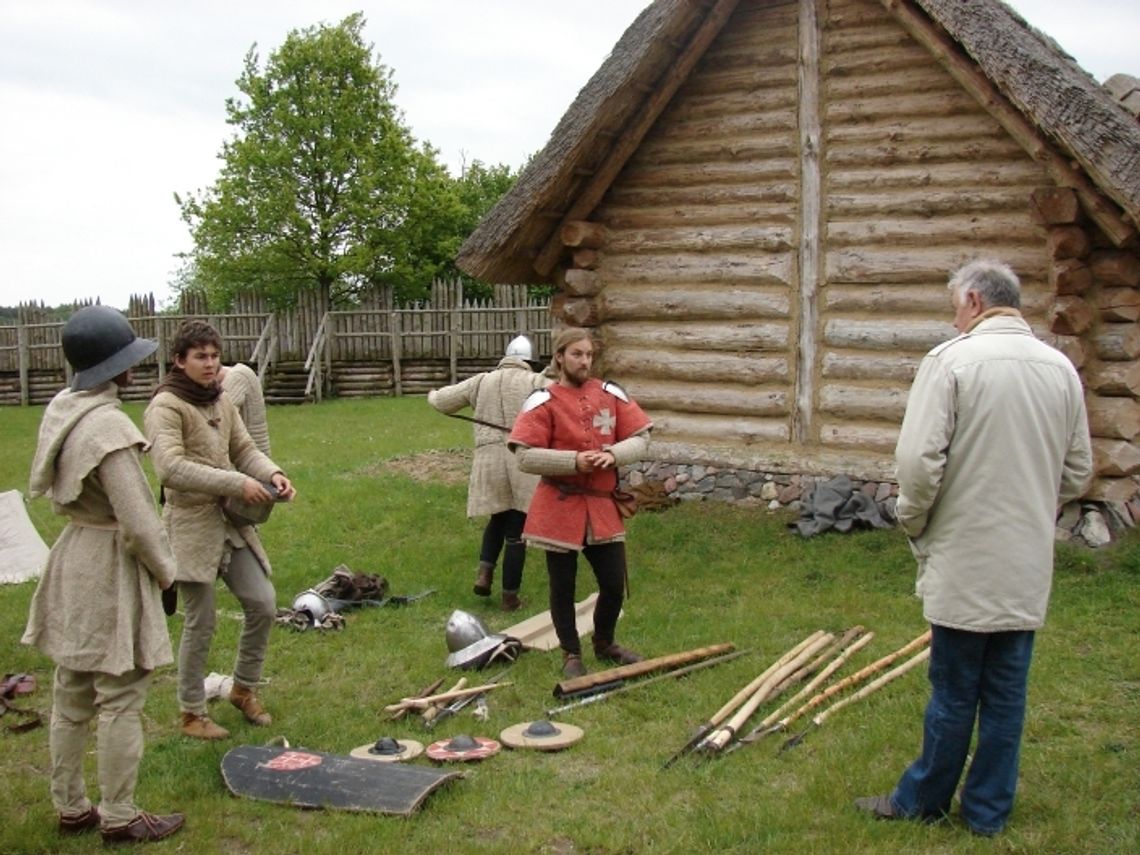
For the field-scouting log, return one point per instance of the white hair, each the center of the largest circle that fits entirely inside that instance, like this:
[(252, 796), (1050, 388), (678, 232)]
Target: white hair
[(995, 283)]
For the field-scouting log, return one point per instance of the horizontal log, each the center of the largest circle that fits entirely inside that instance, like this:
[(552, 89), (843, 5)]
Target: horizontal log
[(1119, 304), (926, 202), (932, 299), (696, 106), (899, 231), (1070, 276), (1052, 206), (891, 153), (888, 366), (622, 302), (742, 80), (625, 364), (872, 437), (704, 197), (681, 214), (716, 399), (688, 174), (886, 265), (582, 283), (778, 123), (717, 146), (718, 430), (1116, 267), (906, 72), (887, 334), (727, 269), (1114, 378), (1115, 457), (580, 233), (735, 337), (1022, 174), (893, 105), (863, 402), (586, 259), (1079, 350), (1114, 418), (580, 311), (1112, 490), (1068, 242), (1071, 316), (683, 238), (1118, 342), (907, 129)]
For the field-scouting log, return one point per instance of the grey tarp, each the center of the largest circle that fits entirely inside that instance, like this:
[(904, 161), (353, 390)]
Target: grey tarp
[(836, 504)]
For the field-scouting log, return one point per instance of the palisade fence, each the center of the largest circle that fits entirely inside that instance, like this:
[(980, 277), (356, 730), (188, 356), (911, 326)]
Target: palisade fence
[(307, 353)]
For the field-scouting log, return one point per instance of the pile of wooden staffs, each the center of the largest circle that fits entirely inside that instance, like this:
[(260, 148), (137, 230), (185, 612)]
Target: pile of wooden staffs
[(433, 707), (820, 654)]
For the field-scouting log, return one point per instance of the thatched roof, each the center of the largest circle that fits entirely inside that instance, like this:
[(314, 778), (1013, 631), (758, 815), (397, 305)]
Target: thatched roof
[(1063, 102)]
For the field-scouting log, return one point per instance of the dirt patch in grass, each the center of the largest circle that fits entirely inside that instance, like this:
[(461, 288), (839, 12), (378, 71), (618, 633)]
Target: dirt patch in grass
[(446, 466)]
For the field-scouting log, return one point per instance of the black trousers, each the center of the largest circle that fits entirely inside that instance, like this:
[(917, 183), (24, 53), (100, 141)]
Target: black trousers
[(506, 527), (608, 563)]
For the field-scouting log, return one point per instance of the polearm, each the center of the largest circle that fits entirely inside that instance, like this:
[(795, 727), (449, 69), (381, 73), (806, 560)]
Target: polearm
[(719, 738), (625, 687), (724, 712), (858, 677), (773, 722)]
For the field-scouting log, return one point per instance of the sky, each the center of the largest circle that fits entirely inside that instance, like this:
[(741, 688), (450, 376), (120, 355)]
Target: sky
[(112, 106)]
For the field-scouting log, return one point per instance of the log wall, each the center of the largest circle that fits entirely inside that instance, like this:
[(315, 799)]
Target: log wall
[(756, 322)]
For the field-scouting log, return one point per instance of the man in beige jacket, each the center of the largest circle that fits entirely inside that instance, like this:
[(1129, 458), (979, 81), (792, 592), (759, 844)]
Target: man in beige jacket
[(203, 454), (995, 437), (96, 610)]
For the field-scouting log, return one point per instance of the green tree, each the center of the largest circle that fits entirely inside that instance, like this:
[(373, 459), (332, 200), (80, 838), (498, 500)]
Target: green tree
[(320, 184)]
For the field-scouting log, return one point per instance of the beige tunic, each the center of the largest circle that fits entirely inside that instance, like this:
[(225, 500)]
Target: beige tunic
[(201, 455), (496, 483), (244, 390), (97, 606)]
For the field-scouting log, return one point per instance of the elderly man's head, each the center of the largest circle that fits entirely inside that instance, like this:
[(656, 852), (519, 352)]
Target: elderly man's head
[(979, 286)]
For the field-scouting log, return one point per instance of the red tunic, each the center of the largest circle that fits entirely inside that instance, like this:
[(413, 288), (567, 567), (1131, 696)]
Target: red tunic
[(585, 418)]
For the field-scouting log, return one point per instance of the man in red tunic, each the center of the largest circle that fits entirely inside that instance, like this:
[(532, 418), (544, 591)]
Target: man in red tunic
[(575, 434)]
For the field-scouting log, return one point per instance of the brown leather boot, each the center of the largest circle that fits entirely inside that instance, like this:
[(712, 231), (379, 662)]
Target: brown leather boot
[(511, 601), (611, 652), (200, 727), (572, 666), (145, 828), (79, 824), (244, 699), (484, 577)]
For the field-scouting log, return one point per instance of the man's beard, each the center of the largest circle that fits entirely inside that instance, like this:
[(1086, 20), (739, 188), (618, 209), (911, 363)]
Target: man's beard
[(574, 379)]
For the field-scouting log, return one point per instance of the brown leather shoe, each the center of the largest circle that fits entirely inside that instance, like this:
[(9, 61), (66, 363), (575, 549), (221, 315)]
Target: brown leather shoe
[(612, 652), (572, 666), (145, 828), (511, 601), (245, 700), (79, 824), (484, 578), (201, 727)]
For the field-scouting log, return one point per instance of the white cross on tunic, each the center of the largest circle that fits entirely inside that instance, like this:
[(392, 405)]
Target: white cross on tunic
[(604, 421)]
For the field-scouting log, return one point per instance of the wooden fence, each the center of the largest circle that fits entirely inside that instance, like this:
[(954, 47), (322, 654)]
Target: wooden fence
[(372, 347)]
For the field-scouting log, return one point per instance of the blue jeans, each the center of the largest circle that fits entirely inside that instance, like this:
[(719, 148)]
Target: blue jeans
[(972, 674)]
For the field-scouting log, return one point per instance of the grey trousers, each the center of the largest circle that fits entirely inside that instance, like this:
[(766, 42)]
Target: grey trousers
[(247, 581), (78, 697)]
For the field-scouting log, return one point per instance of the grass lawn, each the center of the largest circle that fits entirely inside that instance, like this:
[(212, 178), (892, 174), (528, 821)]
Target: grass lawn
[(371, 497)]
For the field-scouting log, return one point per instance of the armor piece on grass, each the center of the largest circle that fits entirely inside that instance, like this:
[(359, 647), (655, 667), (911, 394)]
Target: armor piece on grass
[(541, 735), (100, 344), (473, 646), (462, 748), (387, 749)]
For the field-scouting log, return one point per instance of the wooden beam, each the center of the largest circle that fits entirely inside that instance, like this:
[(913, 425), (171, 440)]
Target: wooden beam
[(1103, 211), (626, 144)]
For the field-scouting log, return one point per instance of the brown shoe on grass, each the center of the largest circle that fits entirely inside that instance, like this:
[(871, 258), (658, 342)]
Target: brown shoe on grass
[(201, 727), (79, 824), (145, 828), (511, 601), (572, 666), (484, 578), (610, 651), (244, 698)]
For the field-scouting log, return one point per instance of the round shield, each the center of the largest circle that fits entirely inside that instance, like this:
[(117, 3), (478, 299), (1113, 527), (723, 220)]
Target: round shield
[(541, 735), (388, 750), (458, 749)]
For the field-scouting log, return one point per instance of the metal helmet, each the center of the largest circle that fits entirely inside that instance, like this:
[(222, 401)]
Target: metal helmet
[(312, 604), (483, 652), (463, 630), (521, 347), (99, 344)]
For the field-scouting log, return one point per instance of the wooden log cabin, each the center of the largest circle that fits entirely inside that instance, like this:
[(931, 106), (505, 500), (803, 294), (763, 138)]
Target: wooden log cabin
[(757, 204)]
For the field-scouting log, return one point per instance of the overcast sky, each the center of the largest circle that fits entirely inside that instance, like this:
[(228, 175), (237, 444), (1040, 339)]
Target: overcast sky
[(111, 106)]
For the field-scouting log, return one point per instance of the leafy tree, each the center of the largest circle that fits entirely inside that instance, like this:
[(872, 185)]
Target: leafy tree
[(321, 184)]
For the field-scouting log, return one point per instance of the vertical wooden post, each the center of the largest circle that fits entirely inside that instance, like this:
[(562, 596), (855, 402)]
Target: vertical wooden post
[(394, 330), (24, 356), (453, 345), (330, 344), (811, 137), (160, 353)]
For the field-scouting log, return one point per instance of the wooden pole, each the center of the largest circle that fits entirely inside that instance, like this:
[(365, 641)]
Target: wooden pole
[(648, 666)]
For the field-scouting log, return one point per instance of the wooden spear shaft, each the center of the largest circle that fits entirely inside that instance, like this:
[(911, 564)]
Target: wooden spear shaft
[(720, 715), (422, 693), (773, 720), (720, 738), (431, 712), (874, 685), (858, 677), (421, 703)]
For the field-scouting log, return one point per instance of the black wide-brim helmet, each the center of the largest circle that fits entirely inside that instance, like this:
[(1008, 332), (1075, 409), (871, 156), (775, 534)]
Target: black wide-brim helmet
[(100, 344)]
